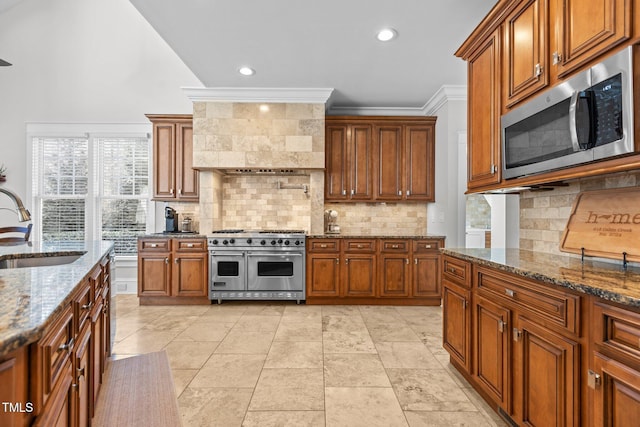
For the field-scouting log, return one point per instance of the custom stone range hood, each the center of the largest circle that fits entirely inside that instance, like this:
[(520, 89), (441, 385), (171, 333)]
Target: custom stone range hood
[(253, 156)]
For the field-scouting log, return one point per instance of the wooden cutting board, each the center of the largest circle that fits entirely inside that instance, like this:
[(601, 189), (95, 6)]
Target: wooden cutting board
[(605, 223)]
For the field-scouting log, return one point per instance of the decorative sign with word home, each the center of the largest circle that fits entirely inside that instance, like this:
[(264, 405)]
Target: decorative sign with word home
[(605, 223)]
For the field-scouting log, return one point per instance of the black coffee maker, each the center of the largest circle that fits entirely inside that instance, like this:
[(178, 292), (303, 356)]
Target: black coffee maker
[(171, 219)]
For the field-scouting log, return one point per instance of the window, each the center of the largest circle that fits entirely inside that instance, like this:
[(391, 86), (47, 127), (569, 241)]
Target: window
[(91, 187)]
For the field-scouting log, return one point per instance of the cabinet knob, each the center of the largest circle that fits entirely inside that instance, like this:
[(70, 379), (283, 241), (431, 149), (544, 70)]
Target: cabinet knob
[(399, 192), (346, 261), (408, 193), (593, 379), (87, 306), (452, 270), (509, 292), (537, 70), (166, 261), (502, 325), (406, 261), (154, 245), (179, 191), (557, 57), (80, 372), (171, 191), (427, 246), (344, 192), (360, 246), (353, 192), (66, 346), (176, 260), (337, 260), (415, 261), (395, 246), (323, 245), (189, 245), (517, 334)]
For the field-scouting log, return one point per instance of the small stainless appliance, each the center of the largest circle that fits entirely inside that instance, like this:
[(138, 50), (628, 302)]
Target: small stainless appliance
[(171, 220), (586, 118), (246, 264)]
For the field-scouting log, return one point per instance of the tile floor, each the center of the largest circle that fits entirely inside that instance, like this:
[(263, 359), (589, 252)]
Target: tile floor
[(282, 364)]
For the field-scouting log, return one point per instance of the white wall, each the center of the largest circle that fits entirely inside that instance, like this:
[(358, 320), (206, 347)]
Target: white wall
[(74, 61), (444, 215)]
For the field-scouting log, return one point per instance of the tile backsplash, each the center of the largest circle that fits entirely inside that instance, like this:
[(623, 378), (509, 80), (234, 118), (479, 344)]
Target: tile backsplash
[(544, 215), (377, 219)]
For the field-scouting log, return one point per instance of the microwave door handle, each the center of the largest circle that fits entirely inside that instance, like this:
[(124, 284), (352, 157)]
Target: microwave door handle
[(573, 126)]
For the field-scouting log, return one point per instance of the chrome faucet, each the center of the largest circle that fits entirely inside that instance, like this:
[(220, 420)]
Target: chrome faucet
[(23, 213)]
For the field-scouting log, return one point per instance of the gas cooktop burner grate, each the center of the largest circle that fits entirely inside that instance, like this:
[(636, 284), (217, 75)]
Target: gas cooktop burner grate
[(282, 232), (230, 231)]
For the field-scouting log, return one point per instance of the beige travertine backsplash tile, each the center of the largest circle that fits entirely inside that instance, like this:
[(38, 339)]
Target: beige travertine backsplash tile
[(406, 219), (544, 215)]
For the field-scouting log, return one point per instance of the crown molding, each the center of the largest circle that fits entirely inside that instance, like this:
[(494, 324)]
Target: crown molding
[(258, 94), (445, 94)]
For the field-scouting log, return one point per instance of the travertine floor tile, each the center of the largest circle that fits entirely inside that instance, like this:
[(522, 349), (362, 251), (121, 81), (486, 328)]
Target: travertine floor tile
[(289, 390), (428, 390), (406, 355), (299, 330), (348, 342), (213, 407), (354, 370), (247, 342), (169, 322), (447, 419), (362, 407), (189, 355), (284, 419), (230, 370), (294, 355), (182, 378), (257, 323), (144, 341), (389, 332), (205, 330)]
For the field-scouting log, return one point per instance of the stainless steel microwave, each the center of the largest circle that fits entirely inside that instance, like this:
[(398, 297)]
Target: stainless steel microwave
[(586, 118)]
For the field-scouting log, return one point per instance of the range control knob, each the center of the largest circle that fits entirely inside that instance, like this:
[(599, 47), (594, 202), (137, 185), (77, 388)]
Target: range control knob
[(297, 242), (249, 241), (273, 242), (232, 241), (280, 241), (215, 242), (286, 242), (225, 242), (263, 242)]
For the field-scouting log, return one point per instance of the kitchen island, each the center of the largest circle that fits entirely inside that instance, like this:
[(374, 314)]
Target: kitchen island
[(545, 339), (55, 313)]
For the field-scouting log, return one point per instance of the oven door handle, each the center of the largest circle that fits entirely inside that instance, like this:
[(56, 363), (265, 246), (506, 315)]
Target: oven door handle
[(255, 254), (226, 254)]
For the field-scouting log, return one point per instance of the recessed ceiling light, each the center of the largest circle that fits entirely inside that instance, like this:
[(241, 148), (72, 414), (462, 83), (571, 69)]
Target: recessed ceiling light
[(246, 71), (386, 34)]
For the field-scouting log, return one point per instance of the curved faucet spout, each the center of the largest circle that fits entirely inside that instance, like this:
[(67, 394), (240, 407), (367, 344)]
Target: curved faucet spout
[(23, 213)]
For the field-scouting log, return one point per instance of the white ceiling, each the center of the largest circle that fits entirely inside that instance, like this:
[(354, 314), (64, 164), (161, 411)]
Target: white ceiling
[(322, 44)]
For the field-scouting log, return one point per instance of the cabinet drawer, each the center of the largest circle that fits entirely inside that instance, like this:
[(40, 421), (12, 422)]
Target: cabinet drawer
[(324, 245), (56, 347), (395, 246), (361, 246), (456, 270), (82, 303), (154, 245), (190, 245), (426, 245), (617, 329), (551, 306)]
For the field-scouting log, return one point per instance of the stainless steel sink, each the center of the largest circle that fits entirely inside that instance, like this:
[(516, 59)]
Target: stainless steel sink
[(38, 261)]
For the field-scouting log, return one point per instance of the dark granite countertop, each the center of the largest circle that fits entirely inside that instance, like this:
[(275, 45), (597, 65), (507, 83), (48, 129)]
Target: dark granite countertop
[(606, 280), (31, 297), (369, 236)]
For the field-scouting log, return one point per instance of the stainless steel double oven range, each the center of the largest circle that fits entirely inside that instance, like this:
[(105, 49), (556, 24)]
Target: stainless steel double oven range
[(260, 264)]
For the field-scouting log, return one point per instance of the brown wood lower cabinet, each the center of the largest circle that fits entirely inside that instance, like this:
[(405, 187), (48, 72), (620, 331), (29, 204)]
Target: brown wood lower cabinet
[(541, 355), (373, 271), (172, 271)]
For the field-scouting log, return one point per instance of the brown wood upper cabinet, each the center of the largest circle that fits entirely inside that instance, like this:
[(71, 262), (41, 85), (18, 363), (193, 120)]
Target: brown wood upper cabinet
[(380, 158), (174, 178)]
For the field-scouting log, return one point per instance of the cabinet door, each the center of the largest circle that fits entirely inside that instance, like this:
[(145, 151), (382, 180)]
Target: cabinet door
[(588, 28), (492, 350), (336, 162), (546, 378), (419, 163), (186, 177), (164, 155), (360, 163), (394, 275), (426, 273), (390, 167), (483, 125), (526, 47), (617, 396), (456, 324), (323, 278), (154, 274), (14, 377), (359, 275), (189, 275), (82, 379), (97, 352)]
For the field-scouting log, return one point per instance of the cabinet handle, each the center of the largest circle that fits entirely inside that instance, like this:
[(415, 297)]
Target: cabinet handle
[(517, 334), (189, 245), (509, 293), (557, 57), (399, 192), (501, 325), (593, 379), (179, 191), (344, 192), (395, 246), (406, 261), (87, 306), (415, 261), (176, 260), (80, 372), (494, 169), (353, 191), (337, 261), (427, 246), (408, 193), (346, 261), (154, 245), (452, 270), (323, 245), (166, 261), (171, 191), (66, 346), (537, 70)]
